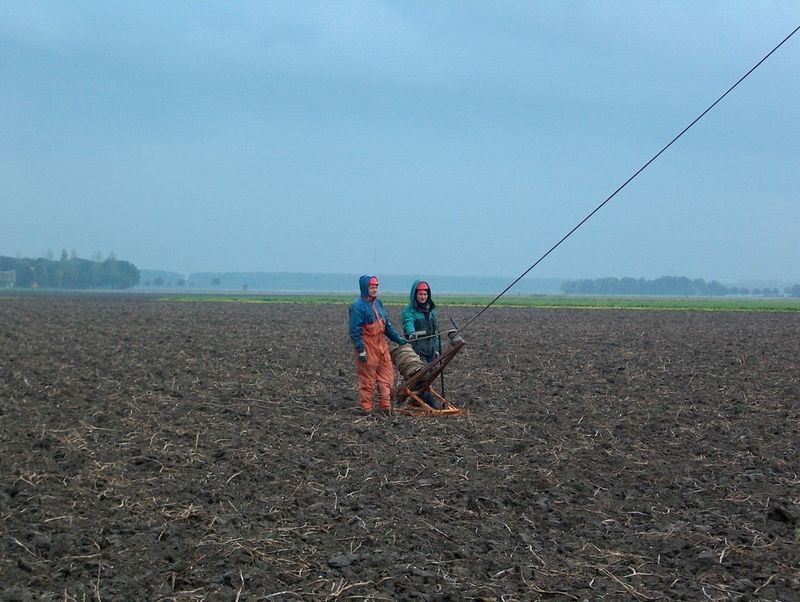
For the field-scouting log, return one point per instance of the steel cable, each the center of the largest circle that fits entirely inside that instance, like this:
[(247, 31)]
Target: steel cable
[(628, 181)]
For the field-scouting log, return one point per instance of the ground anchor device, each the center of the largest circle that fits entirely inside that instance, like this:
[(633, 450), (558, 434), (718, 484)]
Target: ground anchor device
[(418, 379)]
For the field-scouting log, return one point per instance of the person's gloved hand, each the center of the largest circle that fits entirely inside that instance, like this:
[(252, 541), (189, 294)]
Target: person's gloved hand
[(362, 355), (402, 341), (412, 336)]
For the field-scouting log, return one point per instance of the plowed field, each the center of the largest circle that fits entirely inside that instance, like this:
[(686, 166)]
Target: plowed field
[(207, 451)]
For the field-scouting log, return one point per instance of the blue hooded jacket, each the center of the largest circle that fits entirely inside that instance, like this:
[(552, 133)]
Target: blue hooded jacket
[(361, 312)]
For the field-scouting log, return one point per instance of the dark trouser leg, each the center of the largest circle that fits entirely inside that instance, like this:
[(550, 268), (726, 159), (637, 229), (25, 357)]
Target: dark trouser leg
[(427, 396), (431, 400)]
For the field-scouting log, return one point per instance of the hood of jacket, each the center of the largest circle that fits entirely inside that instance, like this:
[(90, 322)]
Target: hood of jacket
[(412, 295), (363, 284)]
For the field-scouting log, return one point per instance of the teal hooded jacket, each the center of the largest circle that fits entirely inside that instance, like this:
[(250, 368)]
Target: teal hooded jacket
[(423, 320)]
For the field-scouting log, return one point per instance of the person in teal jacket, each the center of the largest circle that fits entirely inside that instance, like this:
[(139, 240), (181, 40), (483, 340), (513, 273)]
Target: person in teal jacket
[(420, 322)]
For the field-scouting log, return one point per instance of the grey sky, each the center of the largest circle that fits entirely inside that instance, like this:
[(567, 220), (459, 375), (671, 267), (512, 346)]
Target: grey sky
[(460, 138)]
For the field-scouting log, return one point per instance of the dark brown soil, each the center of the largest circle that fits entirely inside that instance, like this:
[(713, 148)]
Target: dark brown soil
[(188, 451)]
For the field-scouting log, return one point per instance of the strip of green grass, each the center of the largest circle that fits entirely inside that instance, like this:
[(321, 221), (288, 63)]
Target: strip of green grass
[(544, 301)]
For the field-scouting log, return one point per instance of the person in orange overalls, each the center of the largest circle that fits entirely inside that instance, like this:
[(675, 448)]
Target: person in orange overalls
[(369, 327)]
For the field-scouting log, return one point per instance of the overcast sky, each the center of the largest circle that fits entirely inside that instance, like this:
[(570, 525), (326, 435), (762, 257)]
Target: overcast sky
[(406, 137)]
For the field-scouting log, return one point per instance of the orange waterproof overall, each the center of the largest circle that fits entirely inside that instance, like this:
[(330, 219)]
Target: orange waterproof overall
[(378, 368)]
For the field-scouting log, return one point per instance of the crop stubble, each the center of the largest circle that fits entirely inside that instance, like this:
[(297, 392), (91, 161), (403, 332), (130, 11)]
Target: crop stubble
[(190, 451)]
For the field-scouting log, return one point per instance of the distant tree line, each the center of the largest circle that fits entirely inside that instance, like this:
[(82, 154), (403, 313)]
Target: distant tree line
[(162, 279), (676, 286), (70, 272), (348, 283)]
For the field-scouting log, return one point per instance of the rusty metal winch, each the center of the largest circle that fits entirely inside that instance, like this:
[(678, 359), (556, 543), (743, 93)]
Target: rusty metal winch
[(418, 378)]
